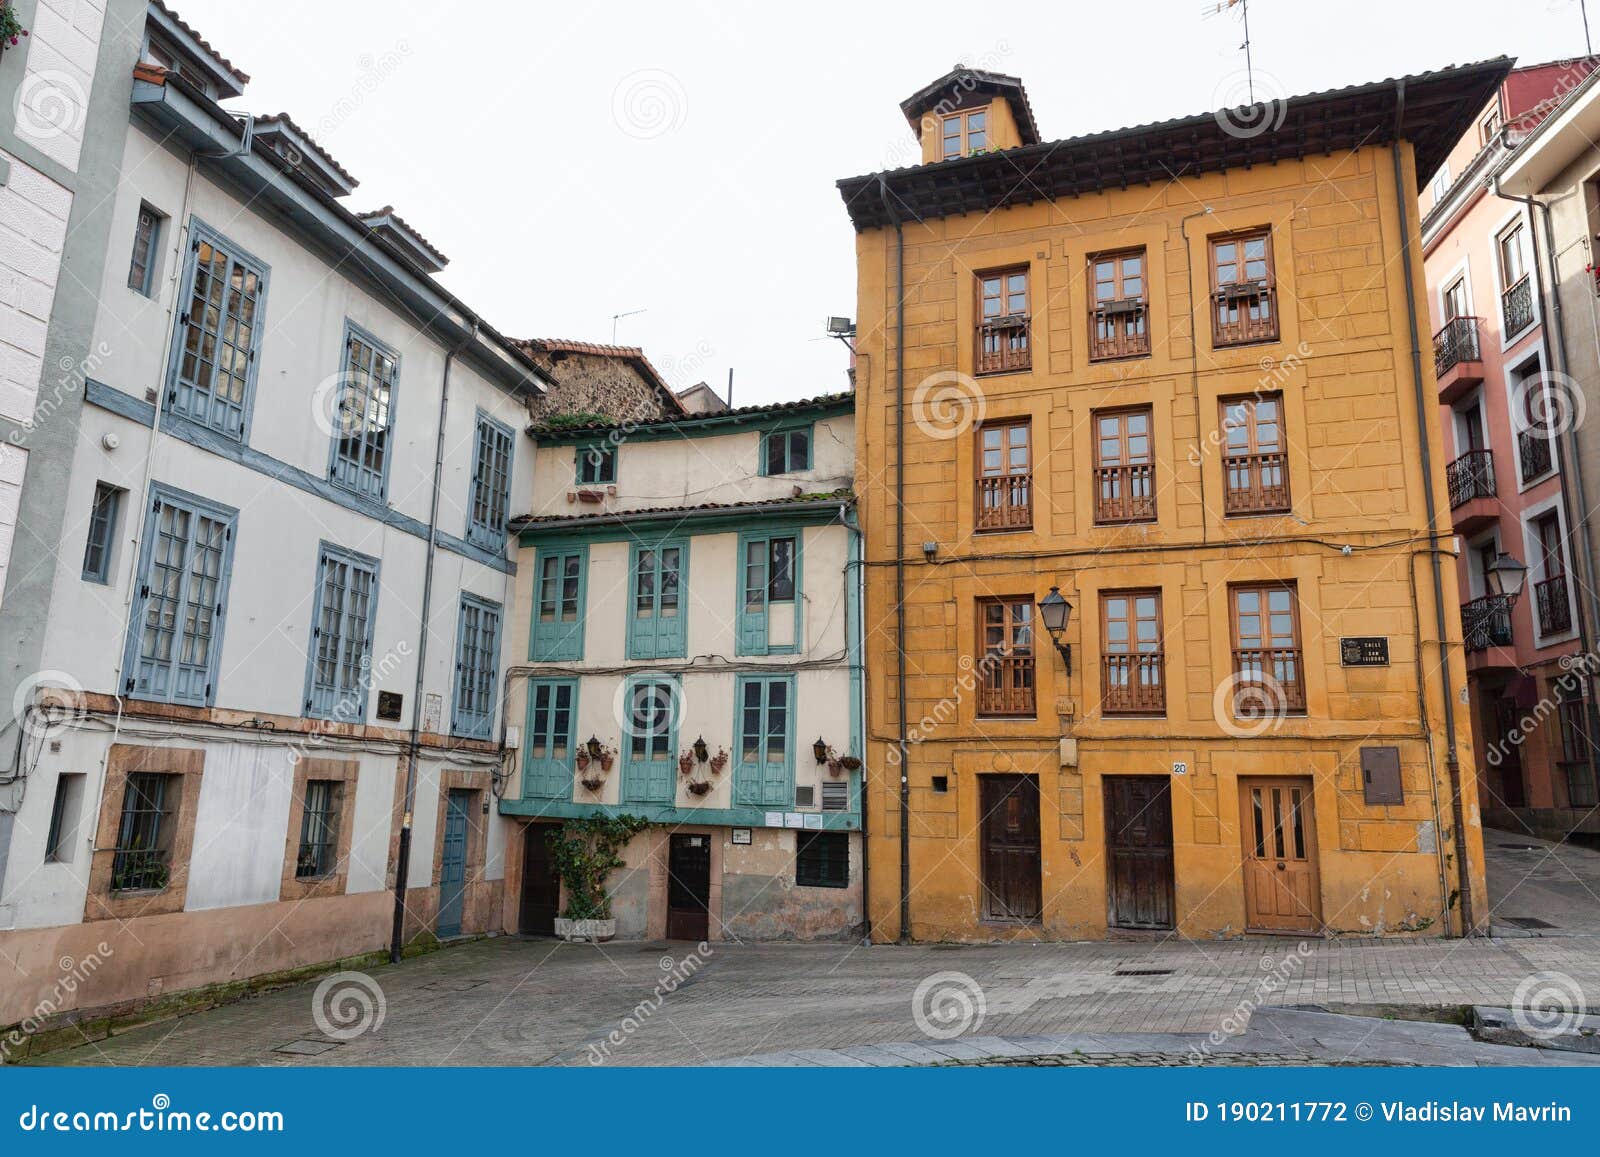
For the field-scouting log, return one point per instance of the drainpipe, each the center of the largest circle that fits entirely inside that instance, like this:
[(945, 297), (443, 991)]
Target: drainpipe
[(1452, 763), (414, 747), (1567, 456), (904, 742), (1194, 349), (853, 573)]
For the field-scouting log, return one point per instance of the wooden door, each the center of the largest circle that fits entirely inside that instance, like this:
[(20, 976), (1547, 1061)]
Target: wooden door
[(1009, 823), (541, 887), (1281, 889), (1139, 851), (689, 887), (453, 862), (1504, 720)]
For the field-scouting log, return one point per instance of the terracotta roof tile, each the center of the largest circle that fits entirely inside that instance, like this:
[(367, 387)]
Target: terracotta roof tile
[(241, 77), (690, 421), (388, 211), (828, 496), (551, 345)]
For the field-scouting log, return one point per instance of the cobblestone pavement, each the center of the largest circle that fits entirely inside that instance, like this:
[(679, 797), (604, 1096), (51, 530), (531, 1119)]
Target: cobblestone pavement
[(510, 1001), (1556, 886)]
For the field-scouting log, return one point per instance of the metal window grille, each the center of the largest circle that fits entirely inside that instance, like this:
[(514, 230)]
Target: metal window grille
[(318, 830), (822, 860), (140, 860)]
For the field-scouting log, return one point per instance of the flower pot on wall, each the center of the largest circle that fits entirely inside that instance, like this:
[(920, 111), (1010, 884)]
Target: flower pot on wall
[(593, 782), (700, 787), (585, 931)]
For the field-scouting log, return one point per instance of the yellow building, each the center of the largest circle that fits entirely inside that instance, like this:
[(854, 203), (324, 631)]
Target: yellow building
[(1250, 721)]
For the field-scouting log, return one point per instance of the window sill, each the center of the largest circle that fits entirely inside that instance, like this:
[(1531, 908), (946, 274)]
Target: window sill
[(1244, 342), (1276, 512), (1027, 369)]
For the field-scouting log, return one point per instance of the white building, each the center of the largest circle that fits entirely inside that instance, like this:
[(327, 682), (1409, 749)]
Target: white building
[(695, 584), (255, 622)]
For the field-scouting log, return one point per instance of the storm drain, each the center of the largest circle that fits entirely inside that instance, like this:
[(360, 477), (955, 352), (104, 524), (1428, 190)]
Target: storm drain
[(1526, 922), (307, 1048), (1142, 972), (1519, 847), (453, 985)]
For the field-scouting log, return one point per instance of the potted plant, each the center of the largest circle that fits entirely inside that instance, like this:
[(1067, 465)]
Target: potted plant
[(11, 29), (835, 768), (582, 758), (699, 786), (719, 761), (593, 782), (584, 852), (850, 763), (608, 756), (686, 763)]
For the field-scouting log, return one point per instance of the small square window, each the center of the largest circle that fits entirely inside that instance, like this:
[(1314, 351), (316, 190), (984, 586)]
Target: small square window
[(822, 860), (597, 465), (941, 784), (787, 451)]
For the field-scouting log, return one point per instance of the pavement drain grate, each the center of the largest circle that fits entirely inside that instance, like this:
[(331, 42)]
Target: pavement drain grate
[(1527, 922), (1142, 972), (1520, 847), (453, 985), (307, 1048)]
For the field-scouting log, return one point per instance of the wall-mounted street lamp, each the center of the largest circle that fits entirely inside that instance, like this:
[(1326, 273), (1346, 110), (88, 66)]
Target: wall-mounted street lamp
[(820, 750), (1054, 611), (1505, 576)]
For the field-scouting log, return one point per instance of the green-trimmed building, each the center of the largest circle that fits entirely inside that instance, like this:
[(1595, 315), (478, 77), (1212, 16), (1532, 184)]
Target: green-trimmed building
[(689, 603)]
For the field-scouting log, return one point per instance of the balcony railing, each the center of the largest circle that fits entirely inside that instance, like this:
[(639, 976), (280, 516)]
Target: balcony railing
[(1270, 681), (1005, 502), (1243, 313), (1455, 343), (1133, 684), (1125, 494), (1516, 306), (1470, 476), (1006, 687), (1534, 449), (1486, 622), (1119, 329), (1553, 606), (1003, 344), (1256, 484)]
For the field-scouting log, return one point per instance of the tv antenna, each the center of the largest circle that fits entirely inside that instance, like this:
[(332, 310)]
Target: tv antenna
[(1244, 11), (616, 317)]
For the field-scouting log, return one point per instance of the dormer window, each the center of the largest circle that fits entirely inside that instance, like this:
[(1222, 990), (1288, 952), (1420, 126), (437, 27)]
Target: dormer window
[(966, 133)]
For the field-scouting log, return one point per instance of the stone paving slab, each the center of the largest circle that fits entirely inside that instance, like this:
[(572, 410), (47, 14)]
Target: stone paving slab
[(535, 1002)]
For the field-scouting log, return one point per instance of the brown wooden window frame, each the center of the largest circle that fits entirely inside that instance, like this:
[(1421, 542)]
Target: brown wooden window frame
[(1004, 494), (1119, 325), (1239, 296), (1115, 483), (1258, 658), (1256, 463), (1132, 677), (1007, 673), (1003, 342), (964, 133)]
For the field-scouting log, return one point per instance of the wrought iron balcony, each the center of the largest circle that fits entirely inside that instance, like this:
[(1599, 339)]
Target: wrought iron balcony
[(1470, 476), (1536, 452), (1516, 306), (1486, 622), (1456, 342), (1553, 606)]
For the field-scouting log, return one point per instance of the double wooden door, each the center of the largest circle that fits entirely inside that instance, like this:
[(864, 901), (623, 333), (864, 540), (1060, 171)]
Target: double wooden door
[(1009, 827), (1281, 888), (1139, 851)]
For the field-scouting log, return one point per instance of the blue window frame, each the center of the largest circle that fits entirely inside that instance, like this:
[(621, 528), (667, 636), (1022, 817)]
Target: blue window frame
[(491, 483), (213, 373), (597, 464), (559, 586), (650, 739), (786, 450), (363, 417), (763, 728), (97, 550), (175, 630), (769, 620), (339, 660), (477, 668), (550, 743), (660, 575)]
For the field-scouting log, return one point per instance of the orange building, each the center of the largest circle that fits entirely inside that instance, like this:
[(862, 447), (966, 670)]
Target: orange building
[(1176, 372)]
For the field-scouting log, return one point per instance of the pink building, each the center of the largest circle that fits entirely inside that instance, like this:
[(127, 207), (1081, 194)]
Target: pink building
[(1493, 358)]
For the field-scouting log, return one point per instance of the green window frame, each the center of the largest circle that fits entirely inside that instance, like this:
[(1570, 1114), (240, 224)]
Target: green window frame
[(786, 450), (652, 705), (763, 737), (597, 464), (551, 739), (769, 590), (822, 860), (560, 585), (657, 607)]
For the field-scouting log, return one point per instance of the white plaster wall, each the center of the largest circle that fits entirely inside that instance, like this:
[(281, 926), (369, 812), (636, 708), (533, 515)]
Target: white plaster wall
[(33, 230), (241, 826), (13, 466), (53, 98), (694, 470)]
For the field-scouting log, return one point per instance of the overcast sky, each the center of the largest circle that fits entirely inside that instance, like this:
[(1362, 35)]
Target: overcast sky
[(581, 160)]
